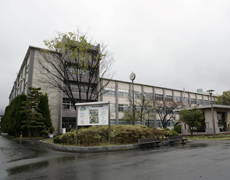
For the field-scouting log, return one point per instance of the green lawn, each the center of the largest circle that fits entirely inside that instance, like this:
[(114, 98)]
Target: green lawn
[(217, 137), (49, 141)]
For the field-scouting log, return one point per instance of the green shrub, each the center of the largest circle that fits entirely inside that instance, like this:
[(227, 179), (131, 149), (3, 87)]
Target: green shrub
[(64, 139), (51, 130), (177, 128), (172, 133), (67, 138), (119, 134), (72, 130), (71, 137), (44, 133), (57, 139)]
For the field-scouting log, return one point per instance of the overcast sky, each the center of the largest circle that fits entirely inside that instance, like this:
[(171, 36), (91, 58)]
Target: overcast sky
[(168, 43)]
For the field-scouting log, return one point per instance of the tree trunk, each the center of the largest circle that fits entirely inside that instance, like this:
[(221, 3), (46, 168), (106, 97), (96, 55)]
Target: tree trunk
[(191, 131), (164, 124)]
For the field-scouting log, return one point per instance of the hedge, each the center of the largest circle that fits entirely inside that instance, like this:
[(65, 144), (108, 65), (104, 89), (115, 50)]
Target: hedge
[(119, 134)]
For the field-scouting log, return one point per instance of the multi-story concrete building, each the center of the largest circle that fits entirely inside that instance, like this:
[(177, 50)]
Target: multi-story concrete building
[(62, 110)]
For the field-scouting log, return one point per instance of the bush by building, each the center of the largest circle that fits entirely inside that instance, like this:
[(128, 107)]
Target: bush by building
[(119, 134), (177, 128)]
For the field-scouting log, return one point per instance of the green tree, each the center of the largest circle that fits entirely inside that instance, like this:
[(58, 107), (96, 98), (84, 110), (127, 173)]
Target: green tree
[(44, 109), (75, 66), (11, 120), (224, 99), (192, 117), (33, 120)]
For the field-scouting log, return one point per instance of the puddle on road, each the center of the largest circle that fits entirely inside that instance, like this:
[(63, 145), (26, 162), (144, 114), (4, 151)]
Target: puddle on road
[(26, 150), (40, 165), (200, 145), (27, 168)]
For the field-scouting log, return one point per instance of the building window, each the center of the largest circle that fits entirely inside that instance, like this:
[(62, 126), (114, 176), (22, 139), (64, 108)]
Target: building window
[(159, 123), (159, 97), (193, 101), (177, 98), (137, 94), (122, 107), (84, 88), (109, 92), (170, 123), (74, 88), (206, 102), (74, 70), (185, 100), (199, 101), (169, 98), (113, 122), (67, 105), (123, 93), (112, 108), (148, 95)]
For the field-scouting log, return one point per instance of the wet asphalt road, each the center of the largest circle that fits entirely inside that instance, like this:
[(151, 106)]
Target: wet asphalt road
[(198, 160)]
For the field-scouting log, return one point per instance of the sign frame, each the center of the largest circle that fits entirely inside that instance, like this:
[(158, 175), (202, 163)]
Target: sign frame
[(93, 104)]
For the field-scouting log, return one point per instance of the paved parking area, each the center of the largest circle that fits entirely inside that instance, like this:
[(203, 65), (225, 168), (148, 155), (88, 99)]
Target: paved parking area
[(202, 160)]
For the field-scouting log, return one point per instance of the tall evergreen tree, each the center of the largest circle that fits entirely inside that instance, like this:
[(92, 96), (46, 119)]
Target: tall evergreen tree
[(11, 120), (44, 108), (33, 120)]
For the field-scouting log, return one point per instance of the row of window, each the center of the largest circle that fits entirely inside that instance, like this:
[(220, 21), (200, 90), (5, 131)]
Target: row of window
[(159, 97), (121, 107), (124, 107), (78, 71), (67, 105), (84, 88)]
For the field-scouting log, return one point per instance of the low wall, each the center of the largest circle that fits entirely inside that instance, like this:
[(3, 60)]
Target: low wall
[(94, 149), (89, 149)]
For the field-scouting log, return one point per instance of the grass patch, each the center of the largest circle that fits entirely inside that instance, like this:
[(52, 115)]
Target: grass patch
[(49, 141), (217, 137)]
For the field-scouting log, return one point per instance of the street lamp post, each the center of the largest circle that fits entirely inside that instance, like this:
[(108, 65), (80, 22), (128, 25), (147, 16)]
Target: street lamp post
[(132, 77), (213, 121)]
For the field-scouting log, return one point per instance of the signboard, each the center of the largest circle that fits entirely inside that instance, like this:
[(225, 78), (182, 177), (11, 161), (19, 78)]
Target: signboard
[(89, 115)]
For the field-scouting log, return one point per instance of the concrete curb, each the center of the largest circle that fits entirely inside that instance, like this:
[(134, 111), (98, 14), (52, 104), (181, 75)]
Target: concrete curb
[(89, 149), (93, 149)]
